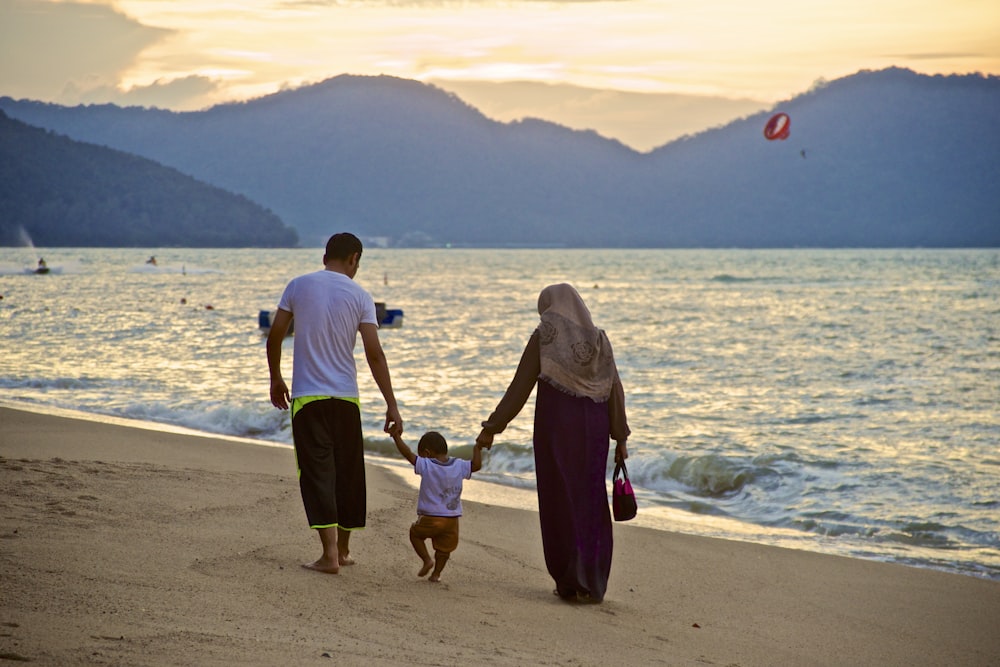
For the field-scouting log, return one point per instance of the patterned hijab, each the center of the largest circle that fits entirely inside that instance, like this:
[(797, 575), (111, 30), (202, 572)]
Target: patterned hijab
[(576, 356)]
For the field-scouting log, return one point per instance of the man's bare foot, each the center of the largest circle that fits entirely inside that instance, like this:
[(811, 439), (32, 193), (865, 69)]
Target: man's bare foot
[(428, 566), (323, 565), (345, 559)]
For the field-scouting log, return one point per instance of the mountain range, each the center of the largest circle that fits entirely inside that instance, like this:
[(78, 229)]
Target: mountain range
[(876, 159)]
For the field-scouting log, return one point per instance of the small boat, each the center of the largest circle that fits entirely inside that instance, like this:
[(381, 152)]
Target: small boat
[(388, 318), (264, 323), (42, 270)]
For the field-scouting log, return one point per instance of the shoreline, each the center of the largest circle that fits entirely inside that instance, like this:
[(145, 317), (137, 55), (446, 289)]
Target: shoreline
[(121, 545), (651, 515)]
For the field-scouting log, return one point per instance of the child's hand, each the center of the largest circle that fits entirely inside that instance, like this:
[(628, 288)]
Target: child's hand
[(395, 429)]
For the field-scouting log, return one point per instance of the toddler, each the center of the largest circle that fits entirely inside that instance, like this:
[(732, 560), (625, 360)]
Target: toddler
[(439, 503)]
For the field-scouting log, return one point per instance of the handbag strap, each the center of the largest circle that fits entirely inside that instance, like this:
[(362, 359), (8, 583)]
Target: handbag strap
[(620, 469)]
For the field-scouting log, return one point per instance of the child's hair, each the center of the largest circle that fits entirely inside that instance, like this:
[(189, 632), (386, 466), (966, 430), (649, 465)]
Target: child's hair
[(434, 443)]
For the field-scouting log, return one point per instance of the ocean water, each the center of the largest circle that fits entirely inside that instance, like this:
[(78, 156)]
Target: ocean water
[(840, 401)]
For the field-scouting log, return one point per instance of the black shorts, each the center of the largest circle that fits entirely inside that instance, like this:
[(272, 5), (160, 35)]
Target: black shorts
[(329, 448)]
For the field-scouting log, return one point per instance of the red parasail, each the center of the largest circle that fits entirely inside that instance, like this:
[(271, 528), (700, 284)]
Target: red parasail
[(778, 127)]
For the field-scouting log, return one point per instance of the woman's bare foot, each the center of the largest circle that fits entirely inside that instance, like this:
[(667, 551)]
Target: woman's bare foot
[(323, 565), (428, 566)]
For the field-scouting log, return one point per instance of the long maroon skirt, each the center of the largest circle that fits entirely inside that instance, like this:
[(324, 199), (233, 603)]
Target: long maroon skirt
[(571, 443)]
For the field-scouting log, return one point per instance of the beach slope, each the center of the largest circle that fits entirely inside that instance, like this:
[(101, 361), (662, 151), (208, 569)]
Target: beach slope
[(128, 546)]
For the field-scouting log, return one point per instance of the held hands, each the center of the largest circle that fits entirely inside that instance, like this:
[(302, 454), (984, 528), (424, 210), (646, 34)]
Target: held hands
[(485, 439), (392, 420)]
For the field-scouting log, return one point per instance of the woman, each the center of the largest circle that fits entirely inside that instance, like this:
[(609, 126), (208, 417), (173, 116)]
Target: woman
[(579, 405)]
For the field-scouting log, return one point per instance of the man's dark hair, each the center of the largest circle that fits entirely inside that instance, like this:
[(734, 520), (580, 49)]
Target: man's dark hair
[(433, 442), (343, 245)]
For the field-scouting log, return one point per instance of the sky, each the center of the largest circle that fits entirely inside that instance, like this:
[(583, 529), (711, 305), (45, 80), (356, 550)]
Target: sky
[(615, 66)]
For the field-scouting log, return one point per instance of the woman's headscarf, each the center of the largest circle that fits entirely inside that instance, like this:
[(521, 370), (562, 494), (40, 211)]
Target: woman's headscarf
[(576, 356)]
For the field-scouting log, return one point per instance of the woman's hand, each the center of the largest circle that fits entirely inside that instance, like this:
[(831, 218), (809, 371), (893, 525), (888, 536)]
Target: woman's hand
[(485, 439), (621, 451)]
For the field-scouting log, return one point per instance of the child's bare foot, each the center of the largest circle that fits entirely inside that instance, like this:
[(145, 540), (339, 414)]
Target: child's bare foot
[(428, 566), (434, 578), (323, 565)]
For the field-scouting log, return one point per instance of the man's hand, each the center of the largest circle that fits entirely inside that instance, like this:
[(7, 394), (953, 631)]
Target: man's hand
[(279, 394)]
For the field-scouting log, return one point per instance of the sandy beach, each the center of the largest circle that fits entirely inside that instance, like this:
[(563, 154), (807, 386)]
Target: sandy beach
[(126, 546)]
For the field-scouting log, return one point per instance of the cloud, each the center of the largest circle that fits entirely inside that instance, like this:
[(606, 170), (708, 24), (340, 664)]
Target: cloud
[(956, 55), (189, 93), (428, 3), (47, 48)]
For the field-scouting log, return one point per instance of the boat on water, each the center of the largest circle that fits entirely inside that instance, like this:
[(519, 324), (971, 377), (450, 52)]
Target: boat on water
[(264, 322), (388, 318)]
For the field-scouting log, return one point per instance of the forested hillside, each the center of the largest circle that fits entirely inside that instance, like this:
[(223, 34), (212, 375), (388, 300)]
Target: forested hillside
[(60, 192)]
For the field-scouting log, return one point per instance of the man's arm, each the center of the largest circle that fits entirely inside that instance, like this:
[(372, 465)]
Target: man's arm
[(380, 371), (275, 338)]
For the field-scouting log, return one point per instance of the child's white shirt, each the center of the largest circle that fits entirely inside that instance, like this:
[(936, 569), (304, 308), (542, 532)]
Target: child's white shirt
[(441, 485)]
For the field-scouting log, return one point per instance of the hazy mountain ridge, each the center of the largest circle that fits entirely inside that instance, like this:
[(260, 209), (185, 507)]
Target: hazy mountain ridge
[(642, 120), (888, 158), (60, 192)]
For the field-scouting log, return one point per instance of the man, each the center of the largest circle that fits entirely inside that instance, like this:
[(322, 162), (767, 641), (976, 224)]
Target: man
[(329, 309)]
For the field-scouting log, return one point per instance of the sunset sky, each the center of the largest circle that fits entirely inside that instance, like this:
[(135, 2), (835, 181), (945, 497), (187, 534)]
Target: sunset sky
[(190, 54)]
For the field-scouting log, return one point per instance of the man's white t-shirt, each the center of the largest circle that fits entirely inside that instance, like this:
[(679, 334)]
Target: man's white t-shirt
[(441, 485), (327, 308)]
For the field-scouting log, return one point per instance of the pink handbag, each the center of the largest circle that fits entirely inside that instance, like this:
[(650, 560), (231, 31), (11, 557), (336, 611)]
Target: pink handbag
[(622, 497)]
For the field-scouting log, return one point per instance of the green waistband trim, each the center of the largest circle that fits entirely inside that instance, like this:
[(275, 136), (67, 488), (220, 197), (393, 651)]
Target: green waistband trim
[(302, 401)]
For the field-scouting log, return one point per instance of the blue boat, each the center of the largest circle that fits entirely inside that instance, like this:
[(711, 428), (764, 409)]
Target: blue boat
[(388, 318)]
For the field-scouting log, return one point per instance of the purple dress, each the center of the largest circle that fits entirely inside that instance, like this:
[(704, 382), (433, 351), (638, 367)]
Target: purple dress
[(571, 444), (571, 455)]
